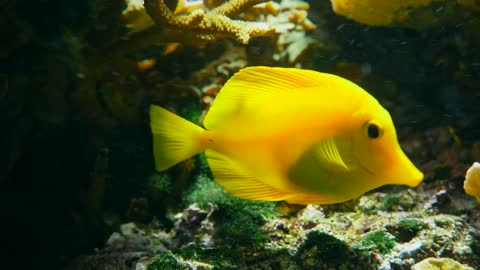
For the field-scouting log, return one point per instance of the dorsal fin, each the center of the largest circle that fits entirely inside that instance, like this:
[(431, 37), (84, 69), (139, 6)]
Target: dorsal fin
[(253, 83)]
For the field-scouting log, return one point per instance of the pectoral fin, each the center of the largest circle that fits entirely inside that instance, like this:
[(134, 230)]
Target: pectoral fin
[(327, 153), (318, 169)]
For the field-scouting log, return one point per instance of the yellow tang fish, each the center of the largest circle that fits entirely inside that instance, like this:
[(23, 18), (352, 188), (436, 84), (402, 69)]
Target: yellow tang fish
[(289, 134)]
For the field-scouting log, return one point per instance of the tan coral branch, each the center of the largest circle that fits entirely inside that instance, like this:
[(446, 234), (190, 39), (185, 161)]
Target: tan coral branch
[(162, 15), (234, 7), (213, 24)]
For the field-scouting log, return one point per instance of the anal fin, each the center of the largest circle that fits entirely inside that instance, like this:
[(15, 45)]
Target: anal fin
[(312, 199), (232, 177)]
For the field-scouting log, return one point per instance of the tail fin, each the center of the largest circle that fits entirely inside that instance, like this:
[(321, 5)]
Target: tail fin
[(174, 138)]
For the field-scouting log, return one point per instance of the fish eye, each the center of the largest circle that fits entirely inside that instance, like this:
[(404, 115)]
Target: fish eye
[(373, 130)]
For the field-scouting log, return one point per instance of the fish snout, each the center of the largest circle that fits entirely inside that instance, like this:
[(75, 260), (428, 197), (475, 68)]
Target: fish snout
[(404, 172), (415, 179)]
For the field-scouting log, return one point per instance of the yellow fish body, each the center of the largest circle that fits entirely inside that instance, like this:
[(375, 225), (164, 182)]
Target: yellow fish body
[(289, 134)]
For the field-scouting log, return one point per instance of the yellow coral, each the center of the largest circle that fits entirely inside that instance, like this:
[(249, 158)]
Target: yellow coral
[(440, 264), (474, 4), (376, 12), (391, 12), (472, 181)]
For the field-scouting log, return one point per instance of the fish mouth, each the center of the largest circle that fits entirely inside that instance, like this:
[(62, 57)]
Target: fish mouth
[(405, 173), (415, 180), (410, 175), (412, 181)]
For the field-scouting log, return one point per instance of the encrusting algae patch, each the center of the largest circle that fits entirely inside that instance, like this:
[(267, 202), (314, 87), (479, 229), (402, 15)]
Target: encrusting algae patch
[(296, 135)]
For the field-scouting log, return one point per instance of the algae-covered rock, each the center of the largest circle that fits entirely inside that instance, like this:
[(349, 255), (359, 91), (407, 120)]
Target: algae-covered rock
[(224, 232), (238, 220), (406, 229), (168, 261), (324, 251)]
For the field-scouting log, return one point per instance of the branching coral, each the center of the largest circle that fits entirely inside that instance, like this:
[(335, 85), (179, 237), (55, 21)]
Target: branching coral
[(136, 17), (197, 22), (210, 25), (292, 24)]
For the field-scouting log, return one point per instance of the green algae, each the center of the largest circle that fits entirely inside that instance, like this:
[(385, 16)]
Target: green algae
[(229, 258), (390, 201), (204, 192), (380, 241), (239, 221), (192, 111), (167, 261), (407, 229), (323, 247), (239, 226), (161, 182), (202, 166), (218, 257), (396, 202), (321, 250)]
